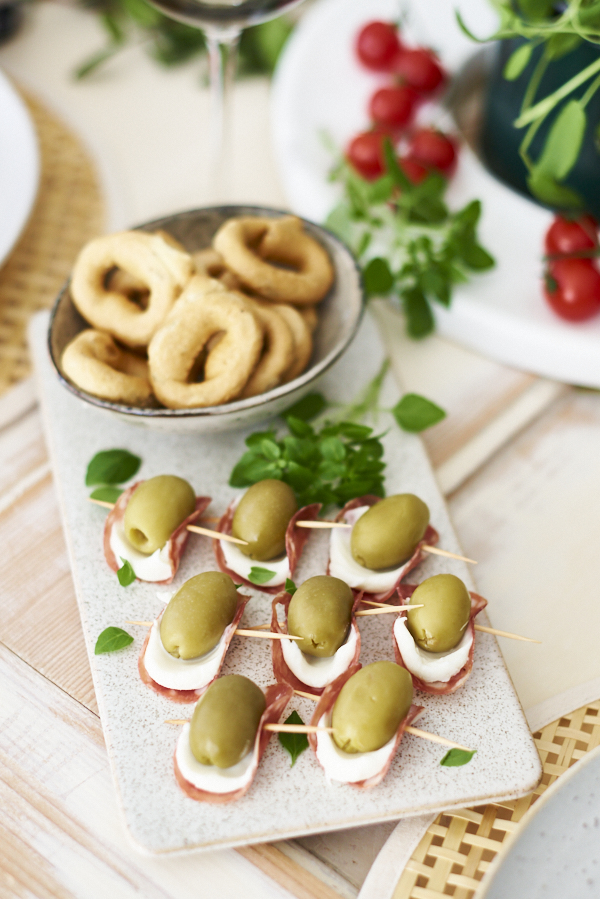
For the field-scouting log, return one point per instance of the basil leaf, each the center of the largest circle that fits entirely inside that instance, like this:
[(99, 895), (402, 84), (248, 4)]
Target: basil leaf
[(112, 467), (455, 758), (419, 319), (477, 258), (377, 277), (298, 427), (295, 744), (260, 575), (111, 639), (308, 407), (290, 586), (414, 413), (106, 494), (126, 574)]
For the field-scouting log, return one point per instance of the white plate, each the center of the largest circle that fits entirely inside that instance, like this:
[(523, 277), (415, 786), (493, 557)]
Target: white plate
[(319, 85), (19, 166), (555, 854), (283, 801)]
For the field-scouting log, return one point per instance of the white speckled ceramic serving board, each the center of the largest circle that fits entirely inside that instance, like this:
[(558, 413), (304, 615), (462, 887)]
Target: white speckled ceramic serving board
[(283, 801)]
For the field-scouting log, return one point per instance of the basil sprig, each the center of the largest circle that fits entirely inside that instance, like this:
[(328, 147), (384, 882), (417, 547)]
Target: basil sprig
[(111, 639), (126, 574), (295, 744), (455, 758), (260, 575), (112, 467)]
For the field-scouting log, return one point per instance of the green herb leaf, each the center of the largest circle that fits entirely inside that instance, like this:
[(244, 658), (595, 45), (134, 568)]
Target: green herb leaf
[(564, 140), (126, 574), (308, 407), (377, 277), (290, 586), (415, 413), (111, 639), (549, 191), (295, 744), (419, 319), (517, 61), (477, 258), (260, 575), (455, 758), (106, 494), (112, 467)]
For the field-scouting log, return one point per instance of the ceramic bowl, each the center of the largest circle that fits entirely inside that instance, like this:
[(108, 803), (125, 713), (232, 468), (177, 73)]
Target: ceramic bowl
[(339, 317)]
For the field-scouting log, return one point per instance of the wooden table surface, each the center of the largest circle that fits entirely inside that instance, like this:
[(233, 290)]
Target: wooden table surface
[(516, 458)]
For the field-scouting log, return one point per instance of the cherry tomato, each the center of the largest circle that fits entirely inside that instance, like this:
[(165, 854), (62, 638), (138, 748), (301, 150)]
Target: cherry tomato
[(365, 154), (420, 69), (434, 150), (567, 236), (413, 170), (572, 288), (377, 46), (393, 107)]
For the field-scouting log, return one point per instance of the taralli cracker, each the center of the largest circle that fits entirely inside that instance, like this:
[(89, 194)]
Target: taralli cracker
[(276, 258), (97, 365), (162, 268), (310, 316), (198, 316), (302, 340), (212, 265), (277, 351)]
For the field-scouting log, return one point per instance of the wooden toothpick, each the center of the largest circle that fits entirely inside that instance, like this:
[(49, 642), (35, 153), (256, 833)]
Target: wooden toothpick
[(241, 632), (444, 552), (386, 611), (306, 695), (433, 738), (497, 633), (297, 729)]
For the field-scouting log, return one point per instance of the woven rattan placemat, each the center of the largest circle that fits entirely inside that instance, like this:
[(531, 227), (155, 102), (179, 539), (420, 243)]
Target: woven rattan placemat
[(68, 211), (458, 847)]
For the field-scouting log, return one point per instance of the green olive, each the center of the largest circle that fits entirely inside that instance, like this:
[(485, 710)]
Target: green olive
[(262, 517), (194, 621), (225, 721), (440, 624), (389, 532), (155, 510), (370, 707), (320, 612)]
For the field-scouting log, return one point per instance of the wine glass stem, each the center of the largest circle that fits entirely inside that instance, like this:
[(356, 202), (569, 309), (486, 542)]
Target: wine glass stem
[(222, 55)]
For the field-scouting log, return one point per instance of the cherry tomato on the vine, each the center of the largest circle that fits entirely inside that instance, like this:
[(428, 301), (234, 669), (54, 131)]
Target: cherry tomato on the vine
[(413, 170), (377, 46), (572, 288), (365, 154), (434, 150), (393, 107), (420, 69), (567, 236)]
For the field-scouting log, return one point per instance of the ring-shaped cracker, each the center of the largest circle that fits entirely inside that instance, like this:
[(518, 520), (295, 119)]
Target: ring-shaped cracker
[(277, 351), (275, 258), (197, 317), (212, 265), (164, 269), (302, 340), (310, 316), (97, 365)]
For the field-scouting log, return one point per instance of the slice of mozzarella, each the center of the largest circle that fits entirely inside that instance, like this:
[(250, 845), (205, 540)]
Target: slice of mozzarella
[(318, 672), (156, 567), (343, 565), (181, 674), (350, 767), (241, 564), (210, 777), (431, 667)]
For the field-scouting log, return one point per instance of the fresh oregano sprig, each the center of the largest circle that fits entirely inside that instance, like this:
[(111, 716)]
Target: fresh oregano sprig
[(411, 246)]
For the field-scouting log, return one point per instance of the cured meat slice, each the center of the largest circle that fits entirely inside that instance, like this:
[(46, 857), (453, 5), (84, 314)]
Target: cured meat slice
[(281, 670), (184, 696), (295, 538), (175, 544), (277, 697), (323, 710), (444, 688), (430, 538)]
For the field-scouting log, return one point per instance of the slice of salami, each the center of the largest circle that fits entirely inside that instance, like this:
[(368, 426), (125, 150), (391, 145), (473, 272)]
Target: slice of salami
[(326, 704), (295, 538), (175, 544), (281, 670), (277, 697), (184, 696), (430, 538), (444, 688)]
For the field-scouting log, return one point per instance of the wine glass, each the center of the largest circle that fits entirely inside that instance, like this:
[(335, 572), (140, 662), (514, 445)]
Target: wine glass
[(222, 22)]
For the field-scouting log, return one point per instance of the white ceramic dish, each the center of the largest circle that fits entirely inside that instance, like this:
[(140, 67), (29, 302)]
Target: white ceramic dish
[(19, 166), (340, 313), (283, 801), (556, 852), (319, 85)]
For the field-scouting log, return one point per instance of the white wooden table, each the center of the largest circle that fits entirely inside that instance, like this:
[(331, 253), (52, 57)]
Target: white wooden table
[(516, 457)]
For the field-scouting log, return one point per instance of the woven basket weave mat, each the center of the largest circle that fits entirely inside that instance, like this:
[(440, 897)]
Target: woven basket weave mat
[(458, 847), (68, 212)]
